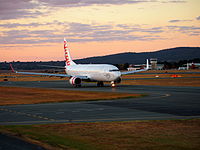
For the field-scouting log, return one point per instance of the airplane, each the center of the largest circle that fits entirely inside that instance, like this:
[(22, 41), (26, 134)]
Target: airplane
[(77, 73)]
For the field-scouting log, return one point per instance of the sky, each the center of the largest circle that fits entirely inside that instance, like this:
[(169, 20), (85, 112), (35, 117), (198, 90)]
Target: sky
[(33, 30)]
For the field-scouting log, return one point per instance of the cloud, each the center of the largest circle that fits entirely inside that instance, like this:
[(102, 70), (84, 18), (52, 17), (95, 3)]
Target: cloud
[(138, 28), (189, 30), (79, 32), (198, 18), (15, 25), (81, 3), (28, 37), (35, 45), (175, 21), (33, 24), (78, 3), (87, 32), (173, 1), (12, 9), (183, 28)]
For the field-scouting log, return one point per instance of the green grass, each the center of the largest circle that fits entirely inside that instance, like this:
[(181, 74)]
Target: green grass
[(137, 135), (66, 142)]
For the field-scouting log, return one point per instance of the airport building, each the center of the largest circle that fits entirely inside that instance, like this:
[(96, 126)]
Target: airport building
[(136, 67), (152, 66), (190, 66)]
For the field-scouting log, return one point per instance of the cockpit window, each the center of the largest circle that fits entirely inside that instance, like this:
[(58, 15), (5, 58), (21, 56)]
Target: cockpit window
[(114, 70)]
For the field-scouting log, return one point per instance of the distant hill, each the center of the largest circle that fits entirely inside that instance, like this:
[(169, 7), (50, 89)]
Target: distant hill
[(172, 54), (169, 55)]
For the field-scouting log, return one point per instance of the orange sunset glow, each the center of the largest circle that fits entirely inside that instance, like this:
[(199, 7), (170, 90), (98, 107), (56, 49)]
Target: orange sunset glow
[(33, 30)]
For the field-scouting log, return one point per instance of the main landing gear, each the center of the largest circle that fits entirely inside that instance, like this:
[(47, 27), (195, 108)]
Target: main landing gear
[(77, 85), (100, 84)]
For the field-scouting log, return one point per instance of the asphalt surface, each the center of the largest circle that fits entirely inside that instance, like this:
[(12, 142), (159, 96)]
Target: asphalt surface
[(161, 103), (13, 143)]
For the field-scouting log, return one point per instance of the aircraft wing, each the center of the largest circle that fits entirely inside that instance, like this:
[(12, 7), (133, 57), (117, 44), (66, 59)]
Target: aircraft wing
[(47, 74), (131, 72), (44, 74), (51, 74)]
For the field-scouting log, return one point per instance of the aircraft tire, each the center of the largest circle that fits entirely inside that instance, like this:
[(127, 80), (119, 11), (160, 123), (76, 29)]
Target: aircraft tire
[(100, 84)]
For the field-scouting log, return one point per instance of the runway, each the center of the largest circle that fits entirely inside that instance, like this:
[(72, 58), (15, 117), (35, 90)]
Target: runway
[(161, 103)]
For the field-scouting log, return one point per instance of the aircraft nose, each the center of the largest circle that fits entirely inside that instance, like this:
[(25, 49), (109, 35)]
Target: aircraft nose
[(117, 74)]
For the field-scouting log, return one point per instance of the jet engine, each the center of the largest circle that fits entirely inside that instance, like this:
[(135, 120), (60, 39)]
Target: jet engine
[(75, 81), (118, 80)]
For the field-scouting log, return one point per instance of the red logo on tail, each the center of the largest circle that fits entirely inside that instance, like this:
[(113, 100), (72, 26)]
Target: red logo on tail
[(66, 53)]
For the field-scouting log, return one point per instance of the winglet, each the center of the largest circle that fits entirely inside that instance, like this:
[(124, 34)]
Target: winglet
[(147, 65), (12, 68)]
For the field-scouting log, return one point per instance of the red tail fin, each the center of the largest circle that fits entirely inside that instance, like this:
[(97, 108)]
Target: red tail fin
[(67, 55), (12, 68)]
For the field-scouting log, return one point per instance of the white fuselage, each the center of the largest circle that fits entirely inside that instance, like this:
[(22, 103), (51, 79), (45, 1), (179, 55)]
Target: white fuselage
[(95, 72)]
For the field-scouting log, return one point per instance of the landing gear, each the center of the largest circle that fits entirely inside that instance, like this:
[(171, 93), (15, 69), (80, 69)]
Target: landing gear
[(100, 84), (113, 84), (78, 85)]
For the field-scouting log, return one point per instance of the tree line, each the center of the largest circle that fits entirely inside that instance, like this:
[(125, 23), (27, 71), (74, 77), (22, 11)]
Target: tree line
[(45, 65)]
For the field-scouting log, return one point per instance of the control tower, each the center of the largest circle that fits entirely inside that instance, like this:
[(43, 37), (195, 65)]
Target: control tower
[(153, 62)]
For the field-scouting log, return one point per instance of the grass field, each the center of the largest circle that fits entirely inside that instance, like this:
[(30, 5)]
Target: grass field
[(190, 80), (194, 82), (142, 135), (19, 95), (157, 76)]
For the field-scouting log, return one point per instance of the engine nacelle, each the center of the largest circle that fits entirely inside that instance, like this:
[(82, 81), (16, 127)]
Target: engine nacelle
[(118, 80), (75, 81)]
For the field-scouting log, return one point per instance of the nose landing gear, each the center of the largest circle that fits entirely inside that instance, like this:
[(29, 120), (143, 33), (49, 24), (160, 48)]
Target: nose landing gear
[(113, 84)]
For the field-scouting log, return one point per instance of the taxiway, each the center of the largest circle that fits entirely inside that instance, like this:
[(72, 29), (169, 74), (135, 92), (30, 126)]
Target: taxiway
[(161, 103)]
